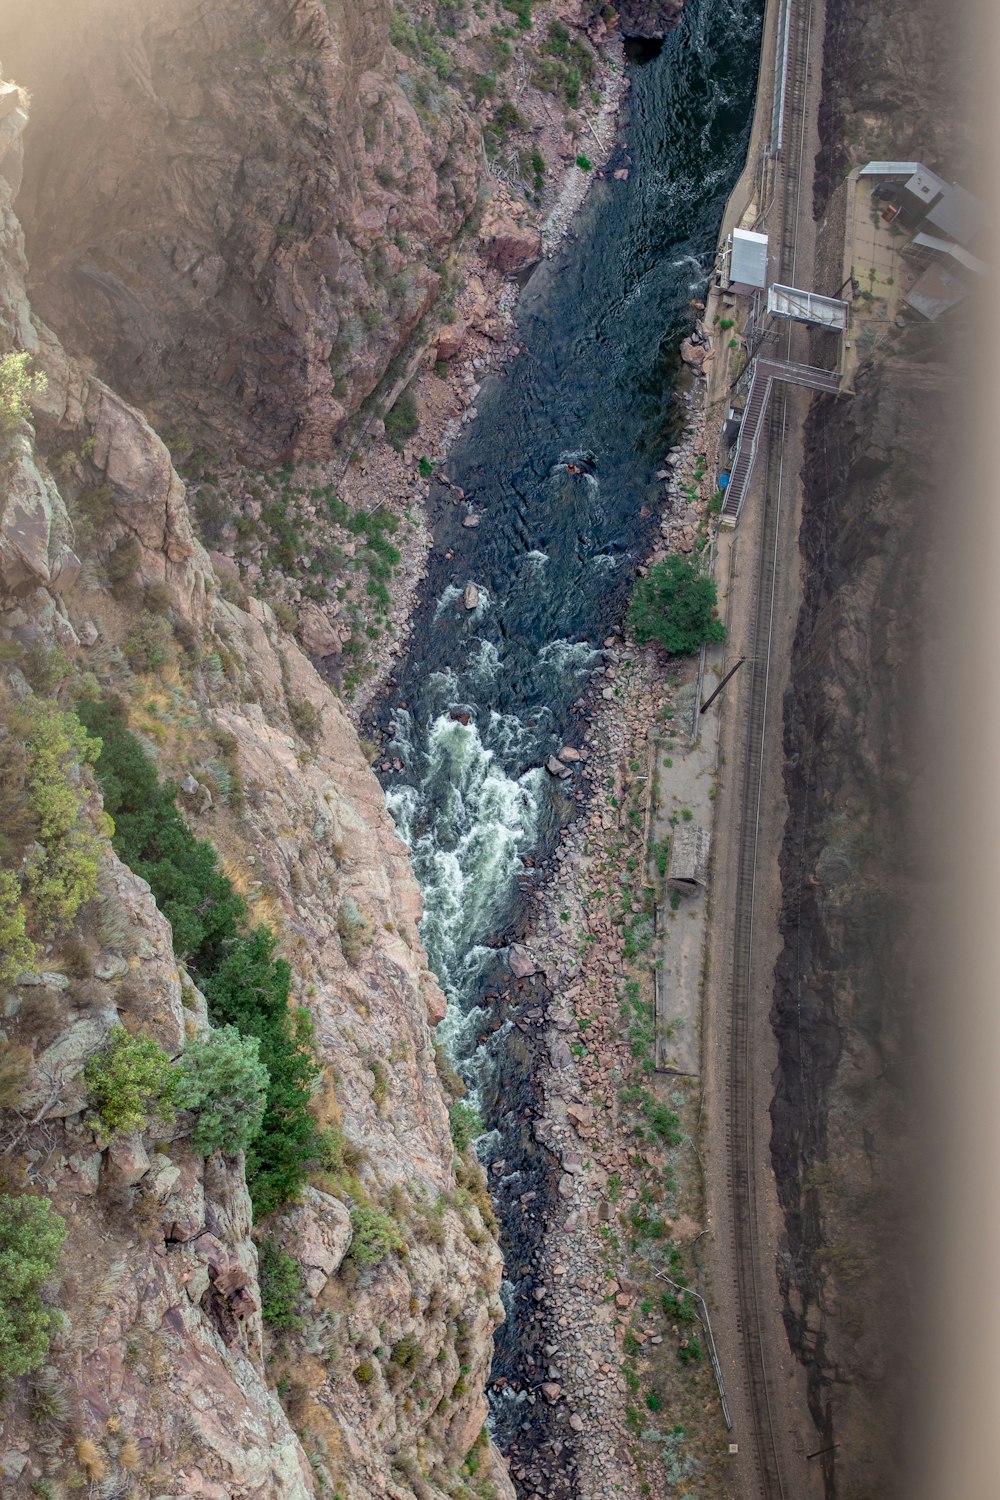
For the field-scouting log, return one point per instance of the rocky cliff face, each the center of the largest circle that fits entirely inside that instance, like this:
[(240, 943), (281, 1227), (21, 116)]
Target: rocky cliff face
[(649, 18), (240, 211), (162, 1378), (859, 852), (848, 991)]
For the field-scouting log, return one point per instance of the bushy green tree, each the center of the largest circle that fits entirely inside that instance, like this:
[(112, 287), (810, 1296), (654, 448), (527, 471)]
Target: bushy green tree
[(246, 984), (222, 1079), (250, 990), (130, 1082), (31, 1237), (675, 605), (153, 839)]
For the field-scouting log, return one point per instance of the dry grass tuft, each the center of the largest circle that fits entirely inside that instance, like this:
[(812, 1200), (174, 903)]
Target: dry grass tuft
[(91, 1460)]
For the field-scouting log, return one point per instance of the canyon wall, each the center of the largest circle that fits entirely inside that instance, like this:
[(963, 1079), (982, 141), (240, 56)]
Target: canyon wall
[(238, 211), (163, 1377), (863, 839)]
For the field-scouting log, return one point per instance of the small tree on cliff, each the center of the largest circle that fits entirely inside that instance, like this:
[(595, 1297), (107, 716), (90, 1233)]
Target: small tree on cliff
[(675, 605)]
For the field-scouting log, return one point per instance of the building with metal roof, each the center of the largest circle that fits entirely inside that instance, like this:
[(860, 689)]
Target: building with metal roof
[(747, 261), (937, 292), (925, 187), (958, 214)]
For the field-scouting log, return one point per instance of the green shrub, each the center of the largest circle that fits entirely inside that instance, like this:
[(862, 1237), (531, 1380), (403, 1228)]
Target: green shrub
[(46, 668), (17, 386), (406, 1352), (675, 605), (375, 1235), (280, 1277), (96, 504), (306, 718), (663, 1122), (31, 1237), (584, 163), (402, 421), (355, 930), (17, 951), (63, 875), (123, 561), (222, 1079), (128, 1083), (465, 1124), (150, 642), (364, 1373)]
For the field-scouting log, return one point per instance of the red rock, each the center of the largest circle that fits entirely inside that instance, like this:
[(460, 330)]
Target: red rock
[(513, 247), (450, 340)]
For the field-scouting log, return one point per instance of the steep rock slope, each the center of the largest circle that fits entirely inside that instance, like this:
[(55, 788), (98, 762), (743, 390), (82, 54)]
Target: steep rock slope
[(848, 992), (162, 1378), (238, 211), (858, 858)]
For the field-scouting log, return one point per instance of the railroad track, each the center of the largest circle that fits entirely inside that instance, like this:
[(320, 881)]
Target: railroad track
[(742, 1133)]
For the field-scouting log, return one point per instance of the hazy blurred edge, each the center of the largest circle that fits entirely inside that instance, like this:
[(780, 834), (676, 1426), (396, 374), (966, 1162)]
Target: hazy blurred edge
[(961, 1189)]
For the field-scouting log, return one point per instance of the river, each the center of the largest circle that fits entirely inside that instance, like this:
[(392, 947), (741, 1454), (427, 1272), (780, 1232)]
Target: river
[(560, 466)]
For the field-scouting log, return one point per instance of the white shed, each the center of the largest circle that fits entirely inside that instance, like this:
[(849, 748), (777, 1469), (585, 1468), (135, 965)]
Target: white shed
[(747, 261)]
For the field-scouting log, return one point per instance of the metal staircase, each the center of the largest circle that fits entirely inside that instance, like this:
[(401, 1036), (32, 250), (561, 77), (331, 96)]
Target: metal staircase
[(764, 372)]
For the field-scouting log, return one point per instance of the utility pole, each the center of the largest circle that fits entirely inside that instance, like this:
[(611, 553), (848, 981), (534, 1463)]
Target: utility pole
[(732, 670)]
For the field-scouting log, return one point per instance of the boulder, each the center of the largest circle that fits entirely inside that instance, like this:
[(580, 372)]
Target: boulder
[(129, 1158), (521, 963), (568, 754), (693, 354), (450, 340), (317, 632), (470, 596), (470, 522), (556, 768), (512, 247)]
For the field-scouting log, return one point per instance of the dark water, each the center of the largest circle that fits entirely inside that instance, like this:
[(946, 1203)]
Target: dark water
[(553, 560), (555, 554)]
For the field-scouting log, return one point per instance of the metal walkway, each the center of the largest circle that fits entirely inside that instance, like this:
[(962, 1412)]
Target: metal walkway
[(763, 375)]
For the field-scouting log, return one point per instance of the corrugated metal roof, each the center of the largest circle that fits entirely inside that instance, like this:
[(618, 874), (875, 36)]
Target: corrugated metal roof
[(937, 291), (954, 252), (889, 169), (748, 263), (959, 215)]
